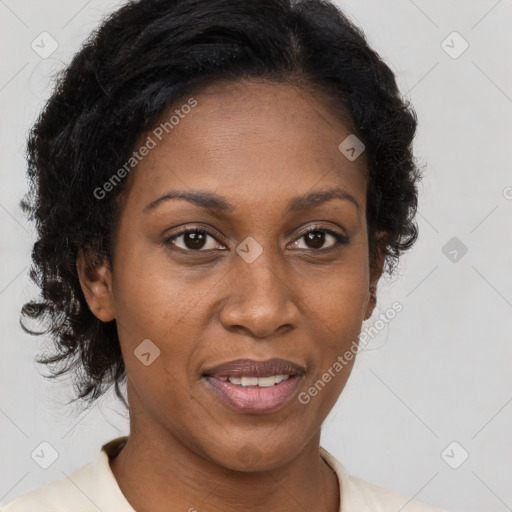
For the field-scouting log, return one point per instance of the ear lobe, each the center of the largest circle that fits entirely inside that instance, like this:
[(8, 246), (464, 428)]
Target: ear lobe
[(372, 302), (96, 283), (375, 274)]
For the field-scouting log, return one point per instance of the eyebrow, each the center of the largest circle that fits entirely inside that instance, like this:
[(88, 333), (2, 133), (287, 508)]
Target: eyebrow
[(214, 202)]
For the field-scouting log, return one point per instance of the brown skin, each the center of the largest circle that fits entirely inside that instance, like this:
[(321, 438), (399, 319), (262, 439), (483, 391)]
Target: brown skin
[(258, 145)]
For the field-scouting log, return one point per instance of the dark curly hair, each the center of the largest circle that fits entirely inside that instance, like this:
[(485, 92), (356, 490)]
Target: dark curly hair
[(148, 56)]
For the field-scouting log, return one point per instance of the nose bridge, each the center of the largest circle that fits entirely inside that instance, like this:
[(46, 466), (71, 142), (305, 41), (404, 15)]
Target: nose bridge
[(260, 298), (258, 266)]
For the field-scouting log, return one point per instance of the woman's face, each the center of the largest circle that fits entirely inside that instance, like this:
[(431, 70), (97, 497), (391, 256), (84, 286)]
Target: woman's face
[(255, 286)]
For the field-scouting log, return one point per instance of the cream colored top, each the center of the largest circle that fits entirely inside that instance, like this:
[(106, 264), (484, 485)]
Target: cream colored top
[(93, 488)]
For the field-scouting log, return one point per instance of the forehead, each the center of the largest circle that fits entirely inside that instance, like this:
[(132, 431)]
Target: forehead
[(251, 140)]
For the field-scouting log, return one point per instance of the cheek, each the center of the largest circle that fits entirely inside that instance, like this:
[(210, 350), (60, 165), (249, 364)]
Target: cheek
[(338, 300), (336, 314), (157, 302), (336, 320), (149, 295)]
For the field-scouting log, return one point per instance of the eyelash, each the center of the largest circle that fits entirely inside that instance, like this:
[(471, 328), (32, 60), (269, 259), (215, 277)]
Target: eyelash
[(340, 239)]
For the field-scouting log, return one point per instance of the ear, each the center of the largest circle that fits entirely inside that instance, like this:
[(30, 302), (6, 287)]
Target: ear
[(375, 274), (96, 282)]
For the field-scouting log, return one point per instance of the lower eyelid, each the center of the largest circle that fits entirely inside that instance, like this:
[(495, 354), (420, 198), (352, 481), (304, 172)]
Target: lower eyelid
[(172, 239), (340, 239)]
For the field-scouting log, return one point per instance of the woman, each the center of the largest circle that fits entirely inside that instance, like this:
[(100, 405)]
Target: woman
[(218, 187)]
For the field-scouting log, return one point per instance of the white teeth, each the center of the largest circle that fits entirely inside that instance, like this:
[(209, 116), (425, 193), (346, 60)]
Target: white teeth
[(249, 381), (264, 382)]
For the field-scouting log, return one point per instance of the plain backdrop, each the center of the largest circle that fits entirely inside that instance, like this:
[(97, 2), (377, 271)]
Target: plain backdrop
[(427, 411)]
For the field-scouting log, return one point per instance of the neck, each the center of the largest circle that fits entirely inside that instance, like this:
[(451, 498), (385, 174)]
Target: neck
[(157, 472)]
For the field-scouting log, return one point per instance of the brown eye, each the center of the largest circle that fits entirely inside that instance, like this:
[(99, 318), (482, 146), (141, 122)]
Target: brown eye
[(193, 240), (317, 237)]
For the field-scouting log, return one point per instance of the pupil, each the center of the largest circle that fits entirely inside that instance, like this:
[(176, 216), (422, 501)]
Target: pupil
[(316, 238), (194, 240)]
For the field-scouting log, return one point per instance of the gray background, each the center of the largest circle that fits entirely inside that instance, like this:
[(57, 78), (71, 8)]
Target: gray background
[(440, 372)]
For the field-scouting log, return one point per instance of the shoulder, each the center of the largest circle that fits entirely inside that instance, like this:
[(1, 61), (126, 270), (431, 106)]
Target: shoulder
[(357, 495), (378, 498), (56, 496), (90, 488)]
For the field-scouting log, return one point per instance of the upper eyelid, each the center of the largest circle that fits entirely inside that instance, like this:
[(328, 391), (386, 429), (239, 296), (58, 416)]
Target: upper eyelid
[(320, 228), (200, 228)]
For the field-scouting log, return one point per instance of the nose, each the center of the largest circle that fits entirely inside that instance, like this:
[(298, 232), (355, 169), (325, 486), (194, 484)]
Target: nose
[(261, 301)]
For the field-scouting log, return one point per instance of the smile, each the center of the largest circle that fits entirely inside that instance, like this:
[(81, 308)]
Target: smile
[(253, 395), (262, 382)]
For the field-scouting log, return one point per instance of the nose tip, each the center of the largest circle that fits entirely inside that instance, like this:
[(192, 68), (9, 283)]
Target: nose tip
[(260, 301)]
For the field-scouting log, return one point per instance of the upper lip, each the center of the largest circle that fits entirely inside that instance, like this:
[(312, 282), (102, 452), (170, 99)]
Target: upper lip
[(252, 368)]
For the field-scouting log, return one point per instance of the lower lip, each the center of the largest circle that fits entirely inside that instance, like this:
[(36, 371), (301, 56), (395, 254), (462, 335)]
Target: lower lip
[(254, 399)]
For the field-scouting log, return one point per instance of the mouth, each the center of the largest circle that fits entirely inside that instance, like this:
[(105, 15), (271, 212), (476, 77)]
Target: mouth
[(250, 386)]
